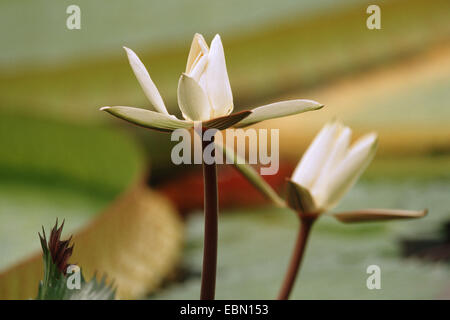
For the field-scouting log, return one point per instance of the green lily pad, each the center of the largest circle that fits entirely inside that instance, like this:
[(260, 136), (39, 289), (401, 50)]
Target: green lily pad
[(254, 250)]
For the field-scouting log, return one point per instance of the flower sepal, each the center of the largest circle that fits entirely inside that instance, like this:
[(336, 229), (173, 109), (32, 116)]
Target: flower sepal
[(375, 215), (148, 119), (300, 199), (225, 122), (278, 110), (168, 123)]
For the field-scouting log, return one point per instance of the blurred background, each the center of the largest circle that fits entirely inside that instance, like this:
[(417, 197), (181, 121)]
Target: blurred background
[(137, 218)]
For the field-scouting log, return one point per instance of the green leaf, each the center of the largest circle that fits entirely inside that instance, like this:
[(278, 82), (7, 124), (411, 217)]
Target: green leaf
[(252, 176), (92, 290), (279, 109), (148, 119), (55, 283)]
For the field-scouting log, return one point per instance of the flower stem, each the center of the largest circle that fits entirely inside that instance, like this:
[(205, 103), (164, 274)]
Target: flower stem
[(211, 225), (296, 259)]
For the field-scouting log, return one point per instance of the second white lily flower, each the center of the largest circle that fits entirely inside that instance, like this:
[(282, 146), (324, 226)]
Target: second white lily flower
[(330, 167)]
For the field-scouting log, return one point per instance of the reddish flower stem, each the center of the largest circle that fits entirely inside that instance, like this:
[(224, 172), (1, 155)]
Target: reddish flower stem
[(297, 256), (211, 210)]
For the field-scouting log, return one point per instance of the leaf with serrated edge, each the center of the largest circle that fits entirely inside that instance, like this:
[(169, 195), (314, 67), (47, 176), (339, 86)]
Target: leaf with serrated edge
[(54, 285), (155, 223)]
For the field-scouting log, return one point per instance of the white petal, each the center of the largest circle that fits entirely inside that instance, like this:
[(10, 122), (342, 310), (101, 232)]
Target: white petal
[(199, 47), (337, 154), (350, 168), (145, 81), (192, 99), (314, 158), (217, 82), (279, 109), (199, 68)]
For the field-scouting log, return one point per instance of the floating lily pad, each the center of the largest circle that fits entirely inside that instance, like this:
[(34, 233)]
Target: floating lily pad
[(254, 250)]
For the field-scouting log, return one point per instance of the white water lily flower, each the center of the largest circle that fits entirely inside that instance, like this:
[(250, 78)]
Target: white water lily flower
[(328, 169), (331, 166), (206, 73), (204, 94)]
